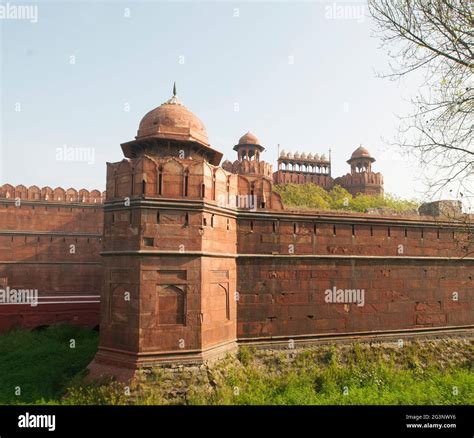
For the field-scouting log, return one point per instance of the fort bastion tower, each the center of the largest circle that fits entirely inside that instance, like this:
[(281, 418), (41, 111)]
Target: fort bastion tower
[(248, 160), (170, 244), (361, 179)]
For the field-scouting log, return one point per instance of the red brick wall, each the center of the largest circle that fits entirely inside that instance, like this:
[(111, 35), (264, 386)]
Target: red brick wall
[(52, 246), (283, 294), (286, 296), (359, 235)]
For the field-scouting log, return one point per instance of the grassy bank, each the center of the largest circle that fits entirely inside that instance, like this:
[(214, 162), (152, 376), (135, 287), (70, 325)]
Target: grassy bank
[(419, 373), (39, 365), (430, 372), (358, 374)]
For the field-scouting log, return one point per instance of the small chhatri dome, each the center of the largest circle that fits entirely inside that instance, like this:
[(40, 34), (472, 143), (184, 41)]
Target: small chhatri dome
[(303, 155), (283, 153), (289, 154), (297, 154), (316, 157), (172, 120), (248, 138), (323, 158), (361, 152), (310, 156)]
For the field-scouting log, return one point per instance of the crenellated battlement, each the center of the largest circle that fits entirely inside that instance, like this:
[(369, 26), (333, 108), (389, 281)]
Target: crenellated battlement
[(369, 183), (34, 193), (249, 167)]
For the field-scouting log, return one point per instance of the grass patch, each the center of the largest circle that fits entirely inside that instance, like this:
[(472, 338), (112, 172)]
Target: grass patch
[(48, 371), (40, 364), (347, 375)]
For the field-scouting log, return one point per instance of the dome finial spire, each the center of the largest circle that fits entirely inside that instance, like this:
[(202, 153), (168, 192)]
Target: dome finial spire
[(174, 99)]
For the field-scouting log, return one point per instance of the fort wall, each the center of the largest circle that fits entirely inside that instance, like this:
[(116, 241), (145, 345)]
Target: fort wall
[(412, 272), (190, 258), (50, 241), (197, 254)]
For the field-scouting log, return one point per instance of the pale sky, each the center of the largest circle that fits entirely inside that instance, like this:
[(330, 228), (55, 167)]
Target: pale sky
[(298, 74)]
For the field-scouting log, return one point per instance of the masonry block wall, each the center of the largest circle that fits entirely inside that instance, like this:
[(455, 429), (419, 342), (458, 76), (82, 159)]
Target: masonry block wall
[(412, 272), (50, 241), (285, 297), (329, 234)]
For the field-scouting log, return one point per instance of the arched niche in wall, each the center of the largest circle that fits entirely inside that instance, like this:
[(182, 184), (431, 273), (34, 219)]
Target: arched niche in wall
[(195, 171), (123, 178), (146, 168), (170, 305), (220, 302), (173, 174), (220, 180)]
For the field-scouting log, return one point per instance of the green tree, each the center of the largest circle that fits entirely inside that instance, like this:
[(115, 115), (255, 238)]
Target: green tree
[(313, 197)]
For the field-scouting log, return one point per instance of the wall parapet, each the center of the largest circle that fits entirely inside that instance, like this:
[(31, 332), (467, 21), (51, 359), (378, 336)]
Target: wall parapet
[(34, 193)]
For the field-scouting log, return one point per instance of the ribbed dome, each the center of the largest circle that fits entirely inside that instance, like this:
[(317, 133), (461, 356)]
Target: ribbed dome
[(173, 121), (248, 138)]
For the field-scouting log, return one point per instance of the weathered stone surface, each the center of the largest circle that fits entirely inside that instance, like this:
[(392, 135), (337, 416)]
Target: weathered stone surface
[(449, 209)]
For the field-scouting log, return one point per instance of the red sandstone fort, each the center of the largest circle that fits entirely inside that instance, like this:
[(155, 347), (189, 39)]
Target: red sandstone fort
[(181, 259)]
